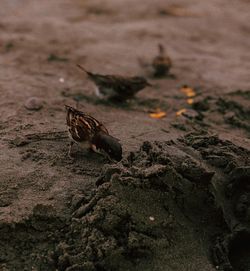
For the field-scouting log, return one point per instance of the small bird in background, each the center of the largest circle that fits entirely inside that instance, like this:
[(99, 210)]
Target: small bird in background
[(161, 63), (88, 131), (116, 87)]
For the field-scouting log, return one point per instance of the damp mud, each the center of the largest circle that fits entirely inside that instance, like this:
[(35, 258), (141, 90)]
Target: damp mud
[(168, 199), (179, 200)]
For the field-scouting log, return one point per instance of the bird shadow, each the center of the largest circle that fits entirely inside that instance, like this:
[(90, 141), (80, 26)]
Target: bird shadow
[(136, 104)]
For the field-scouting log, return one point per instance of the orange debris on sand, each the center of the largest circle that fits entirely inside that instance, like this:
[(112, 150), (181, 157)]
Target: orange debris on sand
[(188, 91), (158, 114), (190, 101), (180, 112)]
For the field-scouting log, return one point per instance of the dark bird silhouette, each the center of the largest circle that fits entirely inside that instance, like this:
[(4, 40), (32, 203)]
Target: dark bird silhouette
[(161, 63), (116, 86)]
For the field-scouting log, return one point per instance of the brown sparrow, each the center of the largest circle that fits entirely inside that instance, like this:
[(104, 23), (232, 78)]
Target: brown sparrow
[(86, 130), (116, 86), (161, 63)]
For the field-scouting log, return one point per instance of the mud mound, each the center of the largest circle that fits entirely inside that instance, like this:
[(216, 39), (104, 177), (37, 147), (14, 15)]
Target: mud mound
[(157, 202), (136, 211), (139, 206), (232, 109), (26, 245), (232, 192)]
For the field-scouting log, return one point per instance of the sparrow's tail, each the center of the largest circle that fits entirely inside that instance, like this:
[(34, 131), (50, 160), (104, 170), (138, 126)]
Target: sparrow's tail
[(161, 49), (71, 109), (74, 111), (71, 113), (68, 108), (83, 69)]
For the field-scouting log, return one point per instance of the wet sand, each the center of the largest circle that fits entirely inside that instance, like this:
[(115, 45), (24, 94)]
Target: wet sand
[(180, 198)]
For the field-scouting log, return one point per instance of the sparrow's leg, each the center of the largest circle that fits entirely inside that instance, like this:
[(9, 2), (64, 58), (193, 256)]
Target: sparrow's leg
[(70, 149)]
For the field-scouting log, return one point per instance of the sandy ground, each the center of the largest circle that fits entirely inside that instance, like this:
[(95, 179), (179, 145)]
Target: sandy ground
[(180, 198)]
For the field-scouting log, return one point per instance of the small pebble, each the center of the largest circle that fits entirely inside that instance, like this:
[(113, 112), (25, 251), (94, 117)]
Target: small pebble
[(229, 115), (33, 103), (151, 218), (19, 141)]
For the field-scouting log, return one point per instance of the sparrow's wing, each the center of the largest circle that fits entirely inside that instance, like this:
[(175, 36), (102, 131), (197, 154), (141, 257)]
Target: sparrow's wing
[(79, 128), (127, 86), (78, 132), (76, 117), (102, 80), (96, 125), (123, 86), (162, 60)]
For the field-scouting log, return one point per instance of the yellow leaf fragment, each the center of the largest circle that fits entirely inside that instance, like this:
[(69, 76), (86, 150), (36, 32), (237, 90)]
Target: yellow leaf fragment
[(190, 101), (158, 114), (188, 91), (180, 112)]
